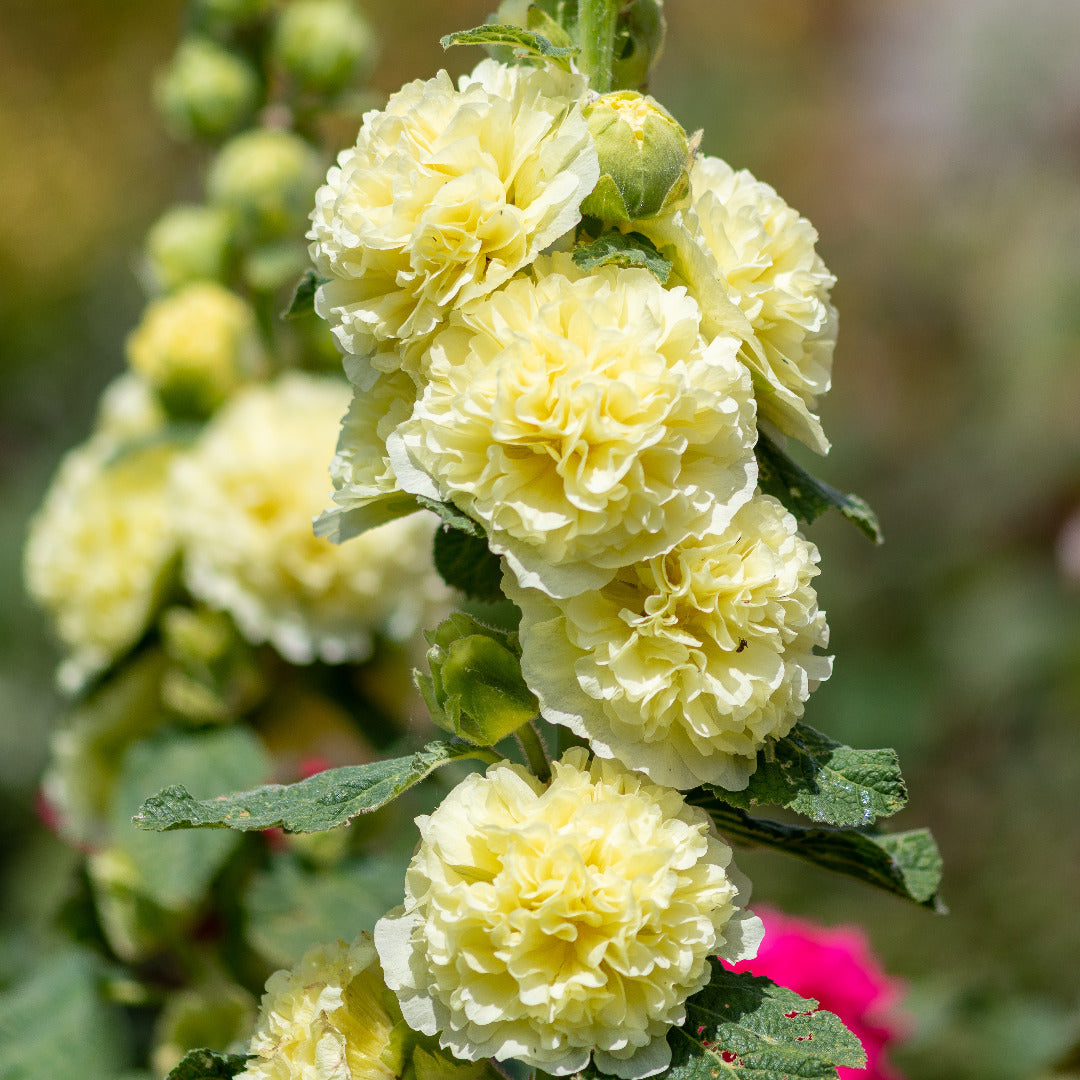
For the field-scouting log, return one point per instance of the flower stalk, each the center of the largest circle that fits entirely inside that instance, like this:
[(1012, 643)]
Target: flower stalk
[(532, 745), (596, 25)]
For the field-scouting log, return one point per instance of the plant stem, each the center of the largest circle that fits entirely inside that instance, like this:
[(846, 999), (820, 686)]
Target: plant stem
[(596, 27), (535, 752)]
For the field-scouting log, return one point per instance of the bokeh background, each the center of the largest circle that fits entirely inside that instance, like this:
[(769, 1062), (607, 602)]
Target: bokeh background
[(935, 144)]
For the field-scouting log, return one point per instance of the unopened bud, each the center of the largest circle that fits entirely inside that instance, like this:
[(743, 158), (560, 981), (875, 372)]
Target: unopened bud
[(639, 40), (206, 92), (324, 45), (187, 243), (476, 689), (644, 158), (195, 346), (266, 180)]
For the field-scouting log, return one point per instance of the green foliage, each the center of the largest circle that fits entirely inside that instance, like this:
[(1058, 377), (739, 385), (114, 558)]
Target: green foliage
[(623, 249), (743, 1026), (906, 864), (806, 497), (303, 296), (290, 905), (175, 871), (523, 42), (320, 802), (55, 1023), (465, 562), (208, 1065), (809, 773)]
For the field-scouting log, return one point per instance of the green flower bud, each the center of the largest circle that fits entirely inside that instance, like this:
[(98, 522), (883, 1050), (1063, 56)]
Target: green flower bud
[(213, 674), (267, 180), (206, 92), (272, 266), (187, 243), (644, 158), (476, 689), (324, 44), (195, 346)]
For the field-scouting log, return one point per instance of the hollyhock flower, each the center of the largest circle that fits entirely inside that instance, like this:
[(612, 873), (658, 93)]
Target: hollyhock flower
[(448, 192), (244, 499), (551, 923), (837, 967), (583, 421), (683, 665)]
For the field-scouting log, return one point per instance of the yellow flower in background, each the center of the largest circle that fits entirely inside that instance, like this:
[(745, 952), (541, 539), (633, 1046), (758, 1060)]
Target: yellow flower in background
[(447, 193), (129, 410), (683, 665), (582, 419), (765, 253), (551, 923), (325, 1019), (244, 500), (195, 347), (99, 549)]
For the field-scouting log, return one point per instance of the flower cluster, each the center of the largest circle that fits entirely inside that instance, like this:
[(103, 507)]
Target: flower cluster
[(598, 423)]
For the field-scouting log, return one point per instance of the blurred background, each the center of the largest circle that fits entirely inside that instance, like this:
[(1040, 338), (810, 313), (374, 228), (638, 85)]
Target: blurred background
[(936, 148)]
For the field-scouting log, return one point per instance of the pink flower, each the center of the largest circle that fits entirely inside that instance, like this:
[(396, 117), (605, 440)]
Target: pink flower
[(836, 966)]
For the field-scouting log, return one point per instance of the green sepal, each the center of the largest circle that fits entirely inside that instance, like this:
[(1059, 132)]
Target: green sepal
[(303, 296), (804, 495), (476, 689)]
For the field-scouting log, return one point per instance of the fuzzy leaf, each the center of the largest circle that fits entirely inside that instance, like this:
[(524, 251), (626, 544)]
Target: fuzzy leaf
[(465, 562), (523, 42), (320, 802), (812, 775), (208, 1065), (623, 249), (804, 495), (303, 297), (744, 1026), (906, 864)]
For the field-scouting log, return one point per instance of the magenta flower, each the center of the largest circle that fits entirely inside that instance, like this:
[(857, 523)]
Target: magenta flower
[(835, 965)]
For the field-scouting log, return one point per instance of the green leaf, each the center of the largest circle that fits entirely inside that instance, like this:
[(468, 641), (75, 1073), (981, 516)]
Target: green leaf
[(56, 1023), (175, 871), (806, 497), (465, 562), (343, 523), (809, 773), (451, 515), (523, 42), (208, 1065), (745, 1026), (623, 249), (320, 802), (906, 864), (303, 297), (290, 905)]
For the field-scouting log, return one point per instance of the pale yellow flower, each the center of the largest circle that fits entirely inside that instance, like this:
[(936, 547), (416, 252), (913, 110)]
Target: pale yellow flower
[(684, 665), (765, 253), (99, 549), (584, 421), (195, 346), (326, 1019), (548, 923), (244, 503), (447, 193)]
